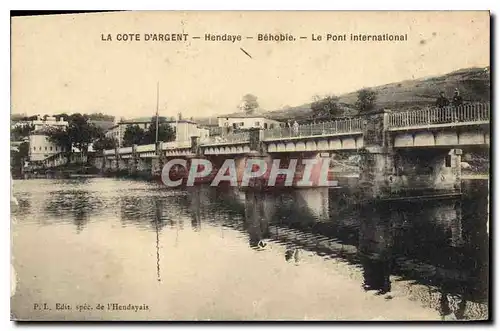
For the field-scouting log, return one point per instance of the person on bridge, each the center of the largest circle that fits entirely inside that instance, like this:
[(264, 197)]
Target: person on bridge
[(457, 100), (442, 101), (295, 128)]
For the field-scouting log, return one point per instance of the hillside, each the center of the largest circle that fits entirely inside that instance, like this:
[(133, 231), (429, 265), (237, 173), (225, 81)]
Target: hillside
[(473, 83)]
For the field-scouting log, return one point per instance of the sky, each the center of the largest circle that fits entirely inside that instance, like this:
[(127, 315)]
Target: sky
[(60, 63)]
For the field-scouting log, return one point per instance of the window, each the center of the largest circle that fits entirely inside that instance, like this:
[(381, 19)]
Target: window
[(40, 148), (34, 148), (265, 125), (257, 123), (447, 161), (271, 126), (242, 123), (45, 147), (50, 147)]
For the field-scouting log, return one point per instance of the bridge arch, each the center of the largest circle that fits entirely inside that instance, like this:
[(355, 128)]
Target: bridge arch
[(290, 147), (311, 146), (348, 143), (471, 138), (300, 146), (446, 138), (405, 140), (322, 145), (335, 144)]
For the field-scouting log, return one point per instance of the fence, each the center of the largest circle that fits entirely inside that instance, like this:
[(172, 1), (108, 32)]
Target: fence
[(146, 148), (478, 112), (176, 144), (234, 137), (351, 125)]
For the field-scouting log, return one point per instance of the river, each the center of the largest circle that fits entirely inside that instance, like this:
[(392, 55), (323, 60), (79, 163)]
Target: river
[(119, 249)]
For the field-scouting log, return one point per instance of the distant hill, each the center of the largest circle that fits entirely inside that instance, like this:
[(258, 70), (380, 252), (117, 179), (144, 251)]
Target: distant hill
[(473, 83)]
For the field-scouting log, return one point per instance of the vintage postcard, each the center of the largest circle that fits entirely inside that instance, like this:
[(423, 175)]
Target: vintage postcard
[(250, 165)]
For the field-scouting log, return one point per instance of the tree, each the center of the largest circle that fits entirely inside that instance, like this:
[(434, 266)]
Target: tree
[(30, 118), (104, 143), (165, 132), (133, 135), (60, 137), (366, 100), (326, 108), (82, 132), (249, 103), (21, 131), (64, 116), (18, 157), (79, 133), (101, 117)]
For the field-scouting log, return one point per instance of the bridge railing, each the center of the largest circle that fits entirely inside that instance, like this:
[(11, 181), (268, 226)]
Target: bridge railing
[(176, 144), (353, 125), (234, 137), (477, 112), (125, 150), (146, 148)]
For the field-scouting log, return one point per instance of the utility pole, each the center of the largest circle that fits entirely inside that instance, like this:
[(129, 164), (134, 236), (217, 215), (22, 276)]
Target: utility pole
[(157, 106)]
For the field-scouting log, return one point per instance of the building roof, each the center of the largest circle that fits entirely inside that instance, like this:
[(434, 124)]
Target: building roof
[(162, 120), (242, 114)]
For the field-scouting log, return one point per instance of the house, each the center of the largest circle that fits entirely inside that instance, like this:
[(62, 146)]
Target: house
[(242, 120)]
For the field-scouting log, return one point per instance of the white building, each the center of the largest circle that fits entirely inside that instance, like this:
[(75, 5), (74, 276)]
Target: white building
[(40, 146), (185, 129), (247, 121), (41, 124)]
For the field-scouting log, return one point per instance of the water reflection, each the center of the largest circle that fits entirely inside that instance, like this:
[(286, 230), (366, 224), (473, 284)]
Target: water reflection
[(257, 218), (194, 208), (442, 245), (375, 247), (74, 205), (435, 243), (157, 222)]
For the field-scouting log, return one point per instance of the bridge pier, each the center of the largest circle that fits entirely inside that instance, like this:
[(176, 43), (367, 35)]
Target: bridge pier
[(159, 161), (118, 162), (387, 170), (436, 170), (133, 161), (377, 157)]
